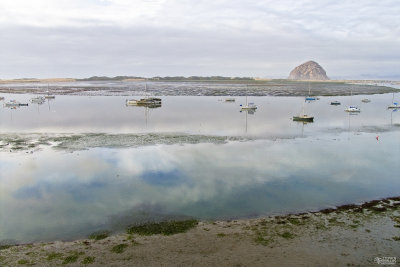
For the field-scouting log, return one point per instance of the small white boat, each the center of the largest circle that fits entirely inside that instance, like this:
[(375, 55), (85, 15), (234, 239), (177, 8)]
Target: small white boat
[(11, 104), (49, 96), (352, 109), (248, 106), (14, 104), (145, 102), (38, 100), (365, 100), (131, 102)]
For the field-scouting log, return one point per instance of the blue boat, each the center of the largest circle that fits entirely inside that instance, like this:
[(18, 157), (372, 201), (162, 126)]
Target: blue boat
[(309, 98)]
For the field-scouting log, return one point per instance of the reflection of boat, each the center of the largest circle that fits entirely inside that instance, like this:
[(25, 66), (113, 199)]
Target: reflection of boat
[(248, 106), (303, 116), (365, 100), (231, 99), (250, 112), (335, 103)]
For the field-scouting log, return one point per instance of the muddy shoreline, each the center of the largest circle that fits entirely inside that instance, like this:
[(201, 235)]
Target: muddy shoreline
[(347, 235), (200, 88)]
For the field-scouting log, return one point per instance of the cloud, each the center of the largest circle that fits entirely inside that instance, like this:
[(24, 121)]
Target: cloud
[(178, 37)]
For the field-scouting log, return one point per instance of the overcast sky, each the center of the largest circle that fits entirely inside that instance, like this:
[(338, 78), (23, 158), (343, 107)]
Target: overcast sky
[(81, 38)]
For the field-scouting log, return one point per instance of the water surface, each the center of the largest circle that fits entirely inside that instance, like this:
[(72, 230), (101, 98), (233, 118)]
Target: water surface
[(201, 158)]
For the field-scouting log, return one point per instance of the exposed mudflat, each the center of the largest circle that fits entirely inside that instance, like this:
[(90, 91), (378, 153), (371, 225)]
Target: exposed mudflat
[(73, 142), (218, 88)]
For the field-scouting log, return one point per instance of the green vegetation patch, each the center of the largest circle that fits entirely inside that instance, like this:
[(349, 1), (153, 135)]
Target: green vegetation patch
[(25, 262), (165, 228), (88, 260), (119, 248), (73, 257), (99, 235), (54, 255), (295, 221), (5, 246), (287, 235), (261, 240), (70, 259)]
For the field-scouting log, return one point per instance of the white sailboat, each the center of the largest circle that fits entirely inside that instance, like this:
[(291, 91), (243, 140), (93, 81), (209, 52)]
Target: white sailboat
[(309, 97), (394, 105), (303, 116), (248, 106), (49, 96), (352, 109), (151, 102)]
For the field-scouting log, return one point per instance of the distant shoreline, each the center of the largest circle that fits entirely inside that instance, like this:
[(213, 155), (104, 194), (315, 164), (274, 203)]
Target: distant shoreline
[(185, 79)]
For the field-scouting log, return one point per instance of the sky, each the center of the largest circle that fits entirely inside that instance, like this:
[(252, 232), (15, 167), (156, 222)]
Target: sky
[(147, 38)]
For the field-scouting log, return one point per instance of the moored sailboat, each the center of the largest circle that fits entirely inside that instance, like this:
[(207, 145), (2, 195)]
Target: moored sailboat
[(303, 116)]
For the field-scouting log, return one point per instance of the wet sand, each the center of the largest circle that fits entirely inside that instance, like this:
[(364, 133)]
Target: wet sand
[(350, 235), (198, 88)]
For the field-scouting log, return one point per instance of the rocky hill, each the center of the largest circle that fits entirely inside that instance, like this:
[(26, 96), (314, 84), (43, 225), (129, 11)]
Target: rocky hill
[(310, 70)]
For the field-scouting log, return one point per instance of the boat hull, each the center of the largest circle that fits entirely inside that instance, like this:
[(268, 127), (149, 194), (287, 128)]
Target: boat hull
[(352, 110), (303, 118)]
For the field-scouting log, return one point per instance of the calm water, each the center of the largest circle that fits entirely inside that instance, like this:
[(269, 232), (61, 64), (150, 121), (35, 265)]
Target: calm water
[(265, 163)]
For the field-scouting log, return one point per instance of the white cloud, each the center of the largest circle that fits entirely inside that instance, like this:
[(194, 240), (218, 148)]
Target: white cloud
[(180, 37)]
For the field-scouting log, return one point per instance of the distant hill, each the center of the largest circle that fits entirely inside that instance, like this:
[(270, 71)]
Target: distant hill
[(310, 70), (168, 78), (105, 78)]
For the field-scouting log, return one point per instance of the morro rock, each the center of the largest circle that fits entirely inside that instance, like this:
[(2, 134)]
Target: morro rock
[(310, 70)]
